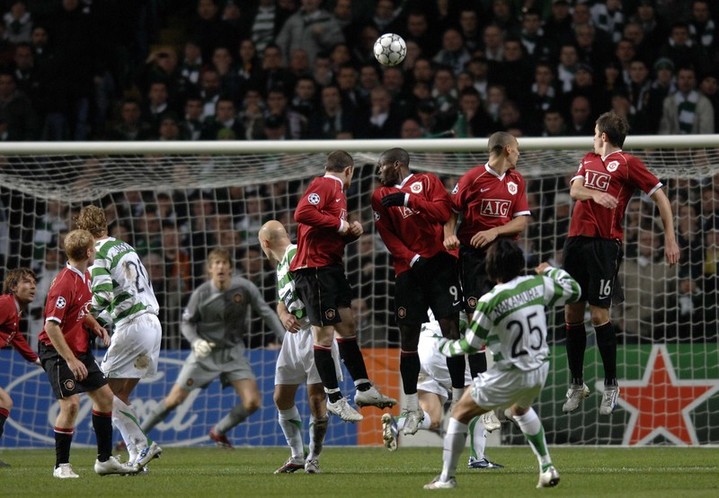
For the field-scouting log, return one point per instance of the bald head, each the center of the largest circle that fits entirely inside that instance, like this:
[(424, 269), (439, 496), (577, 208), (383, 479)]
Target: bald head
[(274, 240)]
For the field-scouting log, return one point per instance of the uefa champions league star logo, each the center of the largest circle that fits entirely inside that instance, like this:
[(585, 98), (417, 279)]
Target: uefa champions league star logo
[(313, 198)]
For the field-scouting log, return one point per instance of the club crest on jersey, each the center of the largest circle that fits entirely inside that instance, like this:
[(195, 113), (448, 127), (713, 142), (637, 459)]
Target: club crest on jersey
[(237, 298), (597, 181), (401, 312), (472, 302), (416, 187), (60, 303), (612, 166), (330, 314), (313, 198), (495, 208), (512, 188), (69, 385)]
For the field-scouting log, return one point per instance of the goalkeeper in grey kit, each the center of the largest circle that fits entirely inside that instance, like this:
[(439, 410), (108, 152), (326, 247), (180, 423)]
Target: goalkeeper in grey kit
[(214, 323), (511, 320)]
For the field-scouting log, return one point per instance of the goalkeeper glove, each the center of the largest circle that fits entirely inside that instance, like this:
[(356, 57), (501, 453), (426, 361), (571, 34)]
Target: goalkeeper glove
[(202, 348), (396, 199)]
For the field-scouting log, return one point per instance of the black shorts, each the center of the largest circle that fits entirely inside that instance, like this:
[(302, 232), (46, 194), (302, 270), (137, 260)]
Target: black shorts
[(434, 286), (61, 377), (324, 291), (473, 275), (594, 263)]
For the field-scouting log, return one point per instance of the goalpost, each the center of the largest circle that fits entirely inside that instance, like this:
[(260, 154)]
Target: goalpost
[(175, 201)]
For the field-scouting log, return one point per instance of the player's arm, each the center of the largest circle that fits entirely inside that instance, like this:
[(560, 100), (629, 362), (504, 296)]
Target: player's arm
[(579, 192), (437, 205), (671, 248), (451, 241), (559, 286), (23, 347), (311, 214), (514, 226), (474, 337), (289, 320), (94, 326), (267, 314), (54, 332)]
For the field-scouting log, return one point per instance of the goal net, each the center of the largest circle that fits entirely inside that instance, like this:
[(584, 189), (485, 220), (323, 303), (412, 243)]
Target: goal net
[(175, 201)]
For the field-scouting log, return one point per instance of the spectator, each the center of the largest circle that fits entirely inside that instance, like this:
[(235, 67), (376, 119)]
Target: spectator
[(347, 78), (274, 74), (655, 30), (419, 30), (16, 109), (687, 111), (558, 27), (331, 118), (223, 63), (702, 29), (382, 119), (191, 125), (470, 105), (267, 20), (680, 47), (158, 103), (580, 121), (607, 16), (191, 65), (321, 70), (310, 28), (18, 22), (515, 72), (709, 87), (493, 38), (252, 115), (543, 92), (275, 128), (131, 127), (248, 67), (554, 126), (169, 128), (532, 36), (208, 30), (303, 103), (363, 51), (444, 90), (209, 91), (639, 93), (454, 53), (225, 123), (624, 54), (645, 50), (469, 29), (590, 48), (568, 60)]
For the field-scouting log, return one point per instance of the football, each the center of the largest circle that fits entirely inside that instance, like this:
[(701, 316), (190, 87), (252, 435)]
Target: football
[(390, 49)]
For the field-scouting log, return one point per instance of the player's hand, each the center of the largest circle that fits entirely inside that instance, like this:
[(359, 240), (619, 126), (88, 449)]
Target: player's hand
[(606, 200), (671, 252), (103, 335), (451, 243), (38, 362), (202, 348), (396, 199), (542, 266), (483, 238), (355, 229), (290, 323), (78, 369)]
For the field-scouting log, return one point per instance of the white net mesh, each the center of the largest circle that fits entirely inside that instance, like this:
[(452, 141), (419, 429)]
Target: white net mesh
[(174, 205)]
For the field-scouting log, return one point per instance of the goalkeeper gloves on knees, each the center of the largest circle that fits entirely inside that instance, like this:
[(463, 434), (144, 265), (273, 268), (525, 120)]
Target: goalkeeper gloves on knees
[(202, 348)]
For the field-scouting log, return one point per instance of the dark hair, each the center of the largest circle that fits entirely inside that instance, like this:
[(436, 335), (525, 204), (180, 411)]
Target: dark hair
[(615, 127), (498, 141), (396, 154), (338, 160), (13, 277), (505, 260)]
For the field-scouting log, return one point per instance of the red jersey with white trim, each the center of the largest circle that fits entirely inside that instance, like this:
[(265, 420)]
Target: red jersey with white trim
[(10, 334), (418, 227), (618, 174), (68, 301), (487, 200), (319, 215)]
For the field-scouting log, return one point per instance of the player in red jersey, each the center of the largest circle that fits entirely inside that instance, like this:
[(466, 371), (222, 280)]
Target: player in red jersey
[(323, 231), (490, 201), (410, 210), (18, 292), (69, 363), (602, 186)]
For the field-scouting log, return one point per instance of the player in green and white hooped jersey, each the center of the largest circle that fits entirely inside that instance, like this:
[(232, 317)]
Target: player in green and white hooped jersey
[(122, 294), (511, 320), (295, 363)]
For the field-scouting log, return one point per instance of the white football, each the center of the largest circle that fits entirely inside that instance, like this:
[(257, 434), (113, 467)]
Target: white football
[(390, 49)]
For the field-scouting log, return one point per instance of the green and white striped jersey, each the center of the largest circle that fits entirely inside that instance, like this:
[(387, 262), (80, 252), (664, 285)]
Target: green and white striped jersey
[(511, 320), (120, 284), (286, 287)]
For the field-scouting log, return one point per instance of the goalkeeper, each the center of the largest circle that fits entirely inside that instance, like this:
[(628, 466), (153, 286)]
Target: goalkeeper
[(215, 323), (296, 362), (511, 320)]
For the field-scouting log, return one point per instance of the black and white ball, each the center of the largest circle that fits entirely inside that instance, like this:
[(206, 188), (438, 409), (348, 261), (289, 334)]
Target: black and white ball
[(390, 49)]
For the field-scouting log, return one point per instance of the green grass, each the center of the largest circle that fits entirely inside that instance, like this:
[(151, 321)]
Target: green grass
[(209, 472)]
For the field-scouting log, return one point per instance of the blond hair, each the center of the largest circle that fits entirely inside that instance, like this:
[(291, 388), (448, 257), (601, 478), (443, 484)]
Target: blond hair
[(92, 218), (77, 242)]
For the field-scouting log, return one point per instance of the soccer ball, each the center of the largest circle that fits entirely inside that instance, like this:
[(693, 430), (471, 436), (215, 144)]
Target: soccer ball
[(390, 49)]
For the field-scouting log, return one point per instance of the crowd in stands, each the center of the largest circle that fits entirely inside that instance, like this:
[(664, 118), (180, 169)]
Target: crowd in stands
[(304, 69)]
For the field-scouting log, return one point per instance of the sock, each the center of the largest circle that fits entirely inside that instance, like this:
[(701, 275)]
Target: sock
[(477, 363), (4, 414), (411, 402), (291, 425), (457, 393), (158, 414), (63, 440), (477, 438), (425, 425), (235, 417), (607, 344), (102, 423), (456, 366), (328, 373), (409, 368), (318, 430), (454, 441), (125, 419), (532, 428), (353, 360), (576, 344)]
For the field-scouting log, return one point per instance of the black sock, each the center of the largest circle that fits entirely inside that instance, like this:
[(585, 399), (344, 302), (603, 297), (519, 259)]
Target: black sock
[(456, 366), (576, 344), (4, 414), (607, 344), (353, 360), (328, 372), (63, 440), (409, 368), (102, 423), (477, 363)]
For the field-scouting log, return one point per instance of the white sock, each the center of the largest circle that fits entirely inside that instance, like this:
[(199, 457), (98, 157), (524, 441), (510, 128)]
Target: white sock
[(532, 428), (454, 441), (318, 430), (477, 438), (411, 402), (125, 419), (291, 425), (457, 393), (426, 422)]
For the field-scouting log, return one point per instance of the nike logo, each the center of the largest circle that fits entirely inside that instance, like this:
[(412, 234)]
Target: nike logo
[(457, 303), (484, 189), (338, 200)]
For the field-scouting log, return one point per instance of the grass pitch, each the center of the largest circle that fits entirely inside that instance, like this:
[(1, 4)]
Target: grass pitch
[(368, 472)]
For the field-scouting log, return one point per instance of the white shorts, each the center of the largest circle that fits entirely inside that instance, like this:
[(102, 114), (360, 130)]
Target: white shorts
[(296, 361), (134, 351), (434, 374), (503, 388)]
